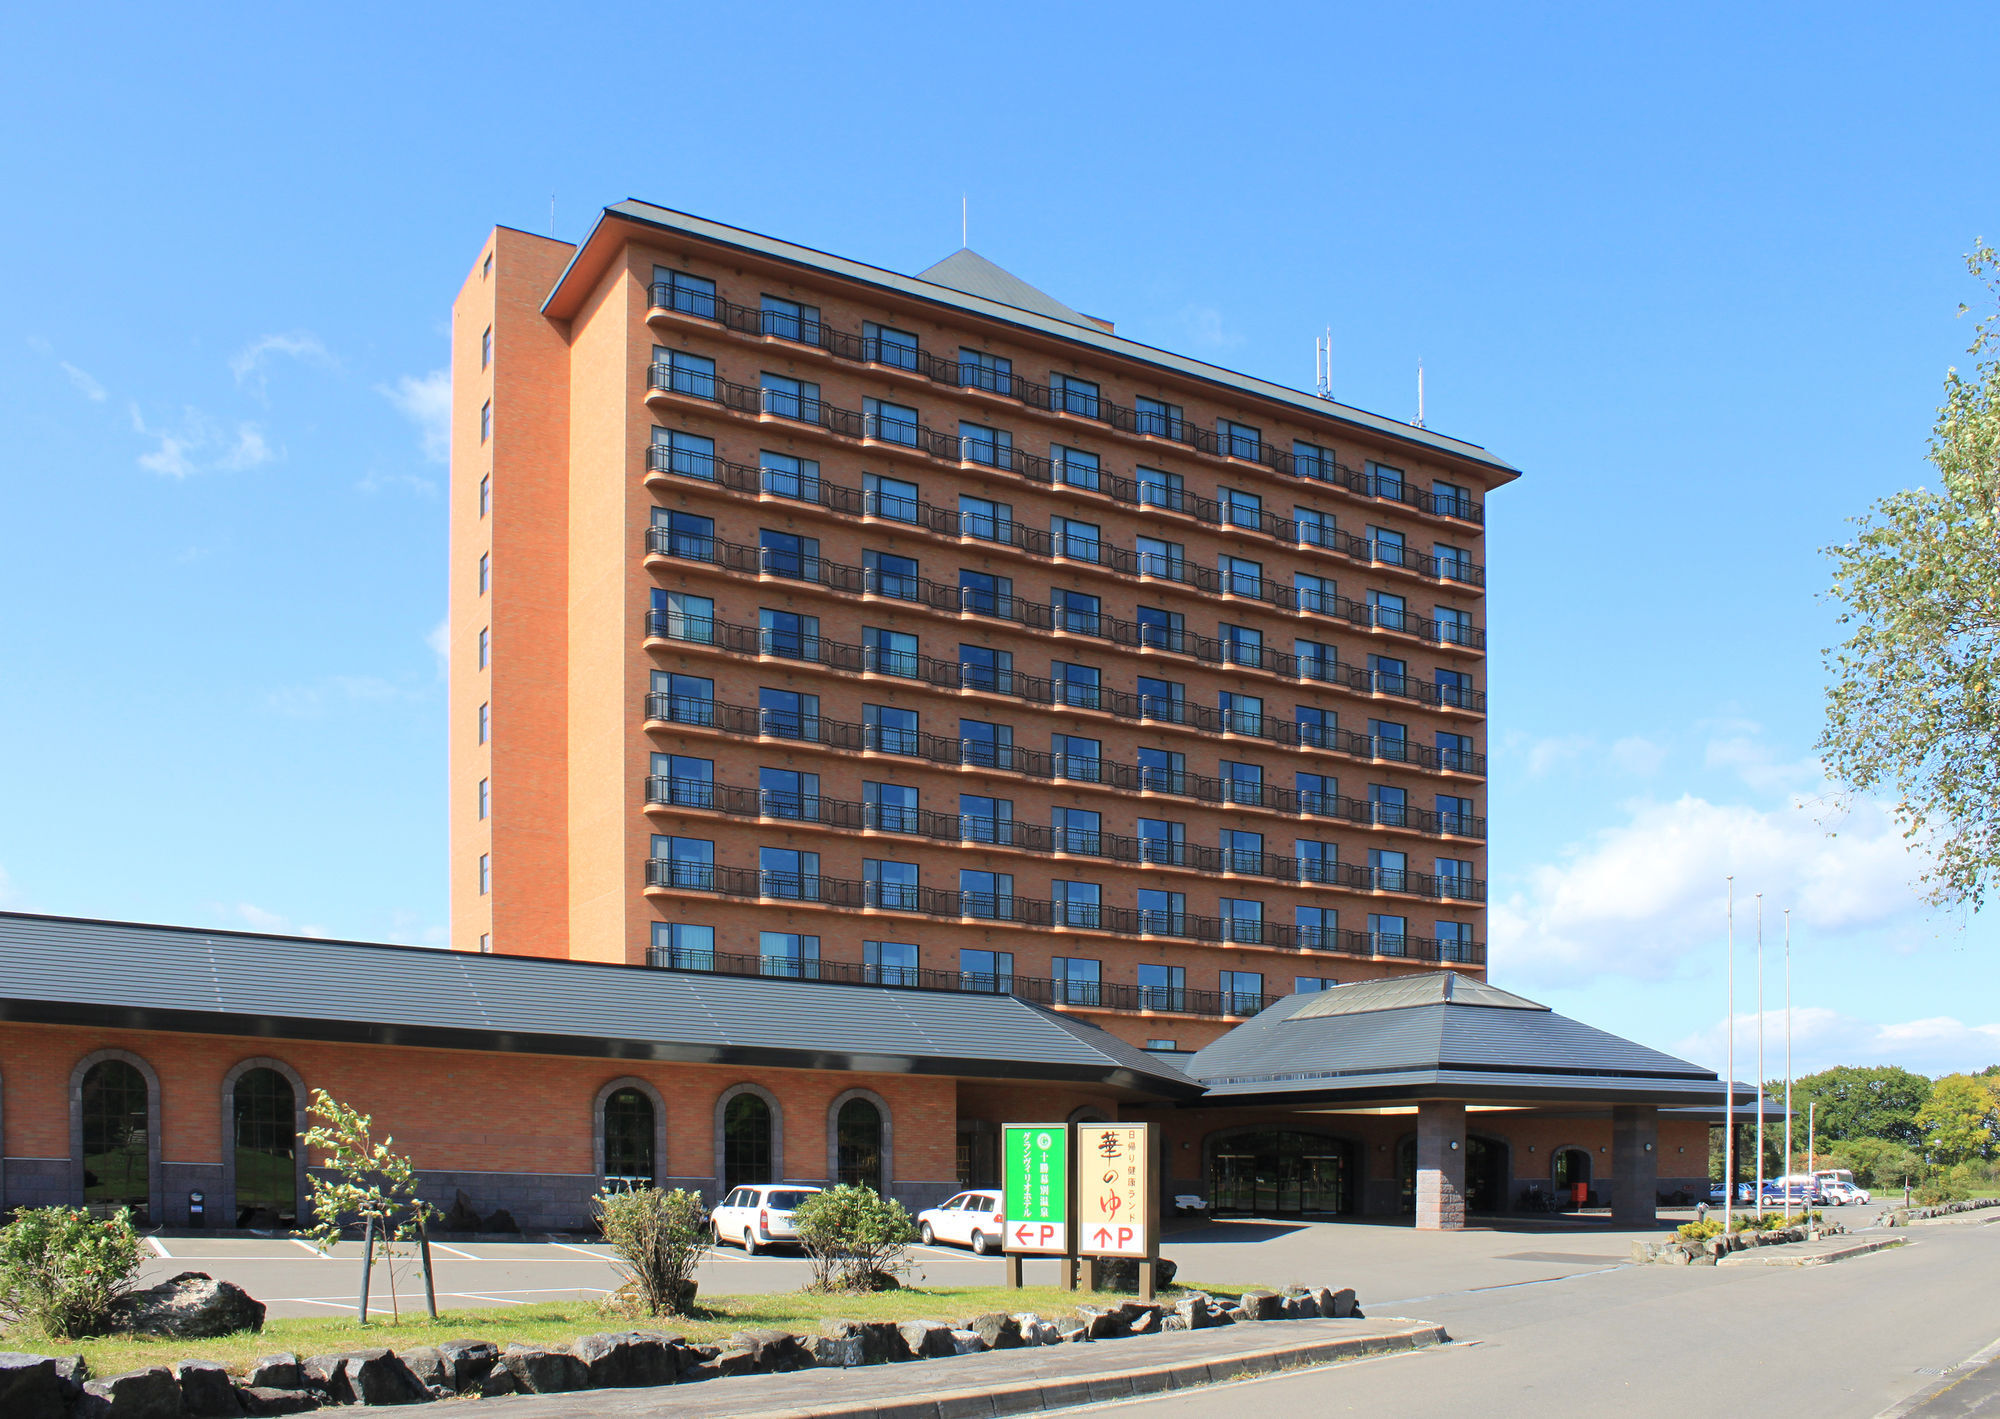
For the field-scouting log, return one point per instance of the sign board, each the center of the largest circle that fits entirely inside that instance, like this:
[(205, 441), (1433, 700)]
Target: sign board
[(1113, 1189), (1036, 1172)]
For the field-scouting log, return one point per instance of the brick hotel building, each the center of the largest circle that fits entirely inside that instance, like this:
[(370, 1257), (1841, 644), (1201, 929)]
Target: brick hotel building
[(812, 620)]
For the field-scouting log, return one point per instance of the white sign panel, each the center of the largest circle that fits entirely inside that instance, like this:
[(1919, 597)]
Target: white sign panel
[(1112, 1187)]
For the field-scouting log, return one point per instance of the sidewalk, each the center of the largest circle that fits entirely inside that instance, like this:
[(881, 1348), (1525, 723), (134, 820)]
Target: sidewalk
[(997, 1382), (1813, 1253)]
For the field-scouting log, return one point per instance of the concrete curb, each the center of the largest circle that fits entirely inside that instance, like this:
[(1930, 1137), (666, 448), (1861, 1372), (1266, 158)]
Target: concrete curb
[(1784, 1256), (1963, 1370)]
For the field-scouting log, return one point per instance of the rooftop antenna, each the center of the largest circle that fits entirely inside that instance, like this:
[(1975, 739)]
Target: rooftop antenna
[(1323, 364), (1420, 391)]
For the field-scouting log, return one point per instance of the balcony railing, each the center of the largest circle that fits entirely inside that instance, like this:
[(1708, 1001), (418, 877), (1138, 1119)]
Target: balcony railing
[(742, 802), (847, 345), (1042, 690), (746, 722)]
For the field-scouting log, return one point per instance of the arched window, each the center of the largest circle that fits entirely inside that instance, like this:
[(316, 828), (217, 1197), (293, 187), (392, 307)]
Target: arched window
[(1571, 1166), (117, 1137), (266, 1116), (746, 1142), (860, 1133), (628, 1139)]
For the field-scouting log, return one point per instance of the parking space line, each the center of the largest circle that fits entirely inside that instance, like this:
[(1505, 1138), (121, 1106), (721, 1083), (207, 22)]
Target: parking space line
[(496, 1300), (440, 1246), (309, 1247), (159, 1248), (584, 1251)]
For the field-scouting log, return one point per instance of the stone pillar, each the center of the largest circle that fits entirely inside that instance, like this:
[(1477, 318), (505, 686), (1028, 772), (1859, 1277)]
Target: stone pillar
[(1440, 1167), (1635, 1164)]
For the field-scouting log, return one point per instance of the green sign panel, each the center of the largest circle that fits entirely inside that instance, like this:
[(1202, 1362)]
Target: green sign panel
[(1036, 1167)]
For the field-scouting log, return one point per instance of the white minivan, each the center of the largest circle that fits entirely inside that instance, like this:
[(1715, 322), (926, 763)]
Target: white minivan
[(974, 1219), (758, 1215)]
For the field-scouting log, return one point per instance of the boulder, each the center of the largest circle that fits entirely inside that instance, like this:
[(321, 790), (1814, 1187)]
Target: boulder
[(326, 1377), (190, 1306), (835, 1352), (772, 1351), (882, 1342), (996, 1331), (429, 1367), (207, 1392), (379, 1377), (627, 1359), (461, 1217), (74, 1373), (1122, 1274), (32, 1387), (1101, 1323), (1171, 1321), (730, 1361), (1193, 1312), (137, 1394), (276, 1372), (1072, 1331), (1340, 1305), (470, 1362), (268, 1399), (1150, 1322), (1139, 1317), (1262, 1305), (501, 1221), (966, 1342), (926, 1339), (497, 1382), (540, 1370)]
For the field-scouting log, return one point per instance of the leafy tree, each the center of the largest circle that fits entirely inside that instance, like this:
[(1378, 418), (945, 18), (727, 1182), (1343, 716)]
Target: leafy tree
[(1958, 1120), (62, 1269), (660, 1238), (1876, 1163), (371, 1183), (1914, 700), (856, 1239), (1879, 1102)]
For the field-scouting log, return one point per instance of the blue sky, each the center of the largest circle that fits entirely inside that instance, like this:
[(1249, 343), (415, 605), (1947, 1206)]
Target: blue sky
[(1695, 271)]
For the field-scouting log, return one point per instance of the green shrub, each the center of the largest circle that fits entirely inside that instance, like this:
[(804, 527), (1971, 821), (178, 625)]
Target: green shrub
[(1938, 1191), (660, 1238), (61, 1269), (1699, 1231), (856, 1239)]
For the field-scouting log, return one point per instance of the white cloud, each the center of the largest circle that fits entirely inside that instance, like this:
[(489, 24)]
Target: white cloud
[(1638, 756), (89, 387), (170, 458), (248, 363), (425, 400), (199, 444), (1822, 1038), (249, 450), (1633, 756), (1638, 898)]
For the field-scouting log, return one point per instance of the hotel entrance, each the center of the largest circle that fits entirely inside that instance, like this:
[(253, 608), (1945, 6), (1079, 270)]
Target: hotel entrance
[(1281, 1173)]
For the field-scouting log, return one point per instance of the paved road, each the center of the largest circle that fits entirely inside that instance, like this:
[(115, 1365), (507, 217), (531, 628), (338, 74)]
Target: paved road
[(1852, 1338)]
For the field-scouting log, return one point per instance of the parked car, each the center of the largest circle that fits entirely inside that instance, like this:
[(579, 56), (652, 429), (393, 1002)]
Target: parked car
[(976, 1219), (1744, 1193), (1791, 1192), (758, 1215), (1840, 1194)]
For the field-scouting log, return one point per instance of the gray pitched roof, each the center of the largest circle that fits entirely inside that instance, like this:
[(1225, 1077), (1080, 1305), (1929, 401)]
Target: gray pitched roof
[(966, 270), (69, 970), (1437, 1038)]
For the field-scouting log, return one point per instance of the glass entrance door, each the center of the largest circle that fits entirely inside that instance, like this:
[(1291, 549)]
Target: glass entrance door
[(1282, 1174)]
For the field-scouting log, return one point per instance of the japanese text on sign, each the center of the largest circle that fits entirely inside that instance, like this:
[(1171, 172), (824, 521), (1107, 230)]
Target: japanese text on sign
[(1112, 1185)]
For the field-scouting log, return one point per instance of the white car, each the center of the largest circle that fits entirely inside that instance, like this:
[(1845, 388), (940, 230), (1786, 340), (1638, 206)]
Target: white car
[(1842, 1193), (758, 1215), (971, 1219)]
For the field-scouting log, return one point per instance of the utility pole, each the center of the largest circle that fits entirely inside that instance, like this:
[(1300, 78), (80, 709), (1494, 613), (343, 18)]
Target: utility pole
[(1760, 1056), (1729, 1072), (1788, 1056)]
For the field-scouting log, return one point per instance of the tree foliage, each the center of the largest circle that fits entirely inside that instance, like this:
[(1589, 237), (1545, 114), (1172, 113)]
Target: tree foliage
[(62, 1269), (1958, 1119), (1914, 703), (660, 1238), (856, 1239), (1878, 1102), (371, 1182)]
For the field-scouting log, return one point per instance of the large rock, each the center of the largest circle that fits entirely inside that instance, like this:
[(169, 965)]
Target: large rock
[(461, 1217), (1101, 1324), (966, 1342), (1262, 1305), (627, 1359), (207, 1392), (773, 1351), (1193, 1311), (1300, 1306), (276, 1372), (379, 1377), (540, 1370), (1072, 1330), (501, 1221), (470, 1361), (926, 1339), (881, 1341), (31, 1387), (1122, 1274), (1339, 1304), (267, 1399), (326, 1377), (190, 1306), (137, 1394), (996, 1331)]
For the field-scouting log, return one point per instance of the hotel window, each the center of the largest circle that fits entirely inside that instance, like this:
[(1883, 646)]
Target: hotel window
[(1388, 870), (781, 633), (683, 946), (486, 421), (485, 797), (486, 495), (1078, 758), (485, 943), (1452, 501), (1318, 793), (979, 370), (1075, 540), (486, 348), (1386, 546), (1455, 751), (486, 269), (891, 423), (1242, 992), (1242, 714), (1240, 575), (1162, 988), (789, 320), (886, 574), (1162, 913), (988, 744), (986, 894), (985, 820), (889, 730), (1454, 814), (1242, 783), (688, 862), (679, 616), (1242, 645), (1454, 563), (889, 962), (683, 373), (787, 953), (1161, 840), (1070, 395), (1385, 482), (485, 873), (789, 398), (1318, 928), (1242, 920), (1162, 1045), (1387, 610), (981, 667), (1314, 593), (1162, 770), (1241, 509), (1455, 688), (1156, 416), (1454, 626), (1389, 740), (1455, 879), (1316, 528), (1309, 460), (789, 873), (1387, 675), (1162, 699), (1167, 560), (485, 647), (1242, 851), (889, 807), (984, 594), (787, 793), (979, 444), (1317, 660), (784, 476), (1161, 489), (677, 290), (1077, 903), (890, 498), (1454, 940), (1239, 440), (1388, 935), (886, 345), (986, 520), (689, 455), (1080, 686), (1075, 468), (1315, 725), (1318, 861), (787, 714), (1307, 985), (889, 652), (685, 699), (1161, 629), (485, 722), (1076, 611), (1078, 981), (1077, 830), (485, 571), (679, 779), (986, 970), (686, 534), (1389, 805)]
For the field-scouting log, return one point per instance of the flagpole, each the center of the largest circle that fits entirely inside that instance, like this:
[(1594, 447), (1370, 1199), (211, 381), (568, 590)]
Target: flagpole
[(1788, 1061), (1760, 1056), (1729, 1071)]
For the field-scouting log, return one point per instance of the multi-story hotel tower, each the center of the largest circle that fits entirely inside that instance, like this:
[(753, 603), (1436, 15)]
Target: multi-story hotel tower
[(809, 619)]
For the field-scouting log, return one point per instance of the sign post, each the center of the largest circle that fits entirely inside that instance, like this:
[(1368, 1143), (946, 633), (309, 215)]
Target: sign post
[(1036, 1198), (1117, 1201)]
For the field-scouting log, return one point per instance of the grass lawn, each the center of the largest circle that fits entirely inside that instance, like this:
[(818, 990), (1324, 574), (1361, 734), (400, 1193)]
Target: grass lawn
[(559, 1322)]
